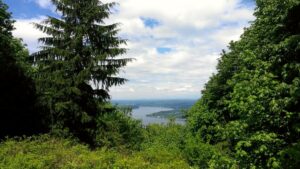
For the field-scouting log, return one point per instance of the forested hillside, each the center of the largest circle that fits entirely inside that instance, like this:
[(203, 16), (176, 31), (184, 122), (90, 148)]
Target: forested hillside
[(251, 105), (55, 109)]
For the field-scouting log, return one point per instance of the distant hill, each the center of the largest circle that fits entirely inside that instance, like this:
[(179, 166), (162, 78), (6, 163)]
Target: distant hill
[(174, 104), (177, 105)]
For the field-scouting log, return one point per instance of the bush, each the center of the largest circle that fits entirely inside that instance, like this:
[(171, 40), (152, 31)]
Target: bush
[(118, 129), (47, 152), (204, 155)]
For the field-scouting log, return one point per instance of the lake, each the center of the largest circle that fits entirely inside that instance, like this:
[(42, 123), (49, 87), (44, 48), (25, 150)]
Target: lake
[(141, 113)]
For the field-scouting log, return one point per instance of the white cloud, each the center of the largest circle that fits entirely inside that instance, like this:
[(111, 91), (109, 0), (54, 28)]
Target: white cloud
[(131, 90), (25, 29), (195, 30), (44, 3)]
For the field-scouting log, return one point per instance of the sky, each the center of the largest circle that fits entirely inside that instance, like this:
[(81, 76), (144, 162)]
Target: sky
[(176, 44)]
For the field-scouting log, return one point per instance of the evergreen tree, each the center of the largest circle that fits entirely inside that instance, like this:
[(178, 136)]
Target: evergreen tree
[(77, 65), (18, 113)]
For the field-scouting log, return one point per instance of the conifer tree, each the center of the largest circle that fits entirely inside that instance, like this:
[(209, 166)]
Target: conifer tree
[(77, 64)]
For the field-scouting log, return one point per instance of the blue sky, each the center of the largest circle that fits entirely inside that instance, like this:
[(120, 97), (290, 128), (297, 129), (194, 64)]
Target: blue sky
[(176, 43), (29, 8), (150, 22)]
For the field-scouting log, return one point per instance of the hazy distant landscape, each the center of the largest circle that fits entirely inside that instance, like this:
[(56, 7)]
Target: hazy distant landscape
[(157, 111)]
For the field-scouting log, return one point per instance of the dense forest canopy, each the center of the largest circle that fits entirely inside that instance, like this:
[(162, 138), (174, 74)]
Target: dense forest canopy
[(248, 115), (252, 102)]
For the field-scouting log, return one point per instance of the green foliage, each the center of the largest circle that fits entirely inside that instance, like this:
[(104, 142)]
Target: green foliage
[(77, 65), (18, 111), (258, 151), (252, 102), (170, 137), (118, 129), (290, 156), (164, 143), (48, 152), (204, 155)]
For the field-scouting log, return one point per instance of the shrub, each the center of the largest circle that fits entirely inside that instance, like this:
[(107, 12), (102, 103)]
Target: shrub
[(45, 152)]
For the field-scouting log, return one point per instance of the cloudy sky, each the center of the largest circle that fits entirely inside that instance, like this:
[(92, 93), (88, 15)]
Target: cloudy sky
[(176, 43)]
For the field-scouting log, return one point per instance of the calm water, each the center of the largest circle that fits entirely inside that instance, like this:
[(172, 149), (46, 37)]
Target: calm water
[(141, 114)]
